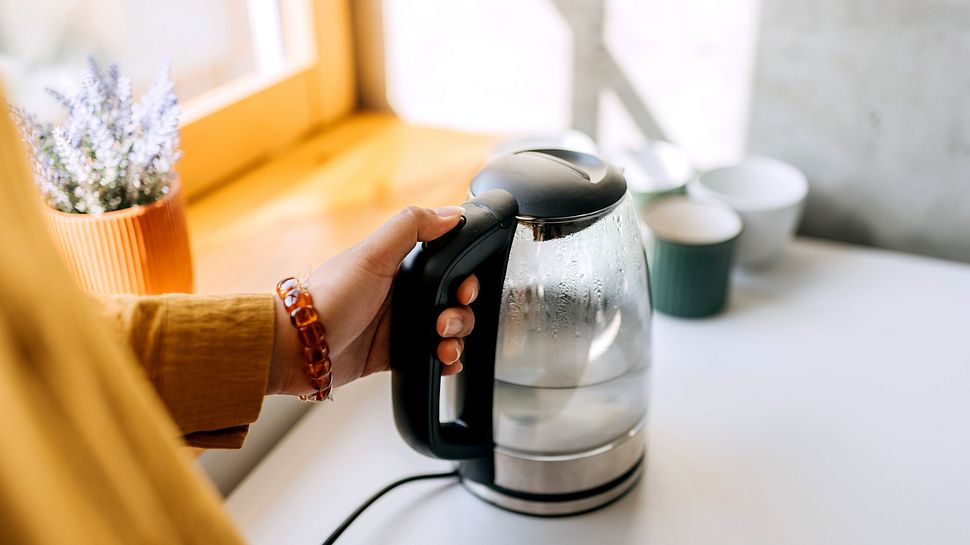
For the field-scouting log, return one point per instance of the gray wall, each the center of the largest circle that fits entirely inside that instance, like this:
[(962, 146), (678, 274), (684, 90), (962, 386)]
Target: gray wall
[(866, 96), (870, 99)]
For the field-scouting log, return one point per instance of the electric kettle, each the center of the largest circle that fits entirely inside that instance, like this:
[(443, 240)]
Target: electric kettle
[(548, 412)]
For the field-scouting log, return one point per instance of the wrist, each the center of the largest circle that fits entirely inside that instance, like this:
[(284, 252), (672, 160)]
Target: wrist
[(286, 374)]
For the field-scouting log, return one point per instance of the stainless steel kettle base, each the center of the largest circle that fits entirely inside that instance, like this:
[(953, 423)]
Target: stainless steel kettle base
[(556, 508), (566, 484)]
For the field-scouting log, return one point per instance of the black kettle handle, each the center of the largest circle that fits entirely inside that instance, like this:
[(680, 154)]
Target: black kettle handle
[(426, 284)]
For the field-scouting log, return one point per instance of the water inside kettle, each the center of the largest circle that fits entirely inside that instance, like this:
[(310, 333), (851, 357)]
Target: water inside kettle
[(551, 421)]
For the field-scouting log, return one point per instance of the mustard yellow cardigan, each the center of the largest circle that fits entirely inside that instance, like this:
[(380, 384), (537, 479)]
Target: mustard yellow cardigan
[(92, 443)]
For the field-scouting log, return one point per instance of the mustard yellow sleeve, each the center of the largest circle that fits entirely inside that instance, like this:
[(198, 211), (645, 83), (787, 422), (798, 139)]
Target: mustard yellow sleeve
[(207, 355)]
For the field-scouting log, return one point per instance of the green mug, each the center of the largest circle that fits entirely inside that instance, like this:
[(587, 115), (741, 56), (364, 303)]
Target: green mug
[(690, 250)]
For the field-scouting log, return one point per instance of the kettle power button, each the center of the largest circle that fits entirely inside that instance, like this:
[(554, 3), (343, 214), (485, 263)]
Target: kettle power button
[(440, 241)]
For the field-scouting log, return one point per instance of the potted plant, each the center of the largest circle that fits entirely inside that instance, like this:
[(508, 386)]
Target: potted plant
[(107, 174)]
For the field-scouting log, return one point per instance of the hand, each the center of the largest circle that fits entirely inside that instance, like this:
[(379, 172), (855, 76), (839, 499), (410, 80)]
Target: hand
[(351, 292)]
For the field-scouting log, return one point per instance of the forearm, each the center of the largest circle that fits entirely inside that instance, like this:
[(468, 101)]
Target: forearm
[(207, 356)]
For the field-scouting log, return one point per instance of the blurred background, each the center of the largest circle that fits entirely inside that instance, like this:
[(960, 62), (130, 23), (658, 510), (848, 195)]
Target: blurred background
[(867, 97)]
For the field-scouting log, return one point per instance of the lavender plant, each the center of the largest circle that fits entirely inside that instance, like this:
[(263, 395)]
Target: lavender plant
[(110, 153)]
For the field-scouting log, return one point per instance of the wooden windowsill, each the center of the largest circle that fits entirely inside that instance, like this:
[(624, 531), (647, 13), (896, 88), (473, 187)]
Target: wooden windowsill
[(291, 213)]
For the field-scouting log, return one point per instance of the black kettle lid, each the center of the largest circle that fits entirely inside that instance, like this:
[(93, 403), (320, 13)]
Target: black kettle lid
[(553, 184)]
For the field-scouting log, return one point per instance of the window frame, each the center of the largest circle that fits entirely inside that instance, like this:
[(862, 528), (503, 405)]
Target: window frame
[(246, 120)]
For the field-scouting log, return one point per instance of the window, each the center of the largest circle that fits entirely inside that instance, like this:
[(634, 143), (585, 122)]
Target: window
[(252, 76)]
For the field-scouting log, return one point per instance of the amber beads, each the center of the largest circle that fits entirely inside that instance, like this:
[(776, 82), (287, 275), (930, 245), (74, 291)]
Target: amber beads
[(316, 352)]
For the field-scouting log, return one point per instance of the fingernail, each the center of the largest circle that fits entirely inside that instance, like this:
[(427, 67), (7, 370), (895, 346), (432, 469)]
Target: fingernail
[(457, 356), (458, 369), (452, 326), (474, 294), (449, 211)]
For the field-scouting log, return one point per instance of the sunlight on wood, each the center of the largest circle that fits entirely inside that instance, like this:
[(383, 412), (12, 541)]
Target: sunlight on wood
[(260, 115), (289, 214)]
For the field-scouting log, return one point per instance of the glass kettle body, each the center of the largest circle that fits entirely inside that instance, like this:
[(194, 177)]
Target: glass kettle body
[(573, 343), (549, 410)]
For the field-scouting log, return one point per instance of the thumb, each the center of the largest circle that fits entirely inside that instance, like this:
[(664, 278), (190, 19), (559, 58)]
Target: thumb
[(385, 249)]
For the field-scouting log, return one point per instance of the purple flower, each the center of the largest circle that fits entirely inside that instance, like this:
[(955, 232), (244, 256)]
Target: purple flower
[(110, 153)]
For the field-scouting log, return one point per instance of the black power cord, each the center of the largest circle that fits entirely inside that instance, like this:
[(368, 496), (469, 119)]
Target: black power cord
[(353, 516)]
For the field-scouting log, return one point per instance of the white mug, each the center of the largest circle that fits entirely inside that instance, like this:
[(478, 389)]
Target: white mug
[(768, 193)]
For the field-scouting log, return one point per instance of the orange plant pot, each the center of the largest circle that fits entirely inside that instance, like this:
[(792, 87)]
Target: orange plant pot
[(141, 250)]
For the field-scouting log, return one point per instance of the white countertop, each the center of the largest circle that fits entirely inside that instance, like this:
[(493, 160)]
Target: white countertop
[(829, 404)]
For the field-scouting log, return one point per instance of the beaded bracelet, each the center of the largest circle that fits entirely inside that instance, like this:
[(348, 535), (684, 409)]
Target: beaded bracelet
[(316, 352)]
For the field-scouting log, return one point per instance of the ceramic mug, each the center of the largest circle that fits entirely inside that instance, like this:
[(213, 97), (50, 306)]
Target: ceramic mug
[(768, 193), (654, 170), (690, 250)]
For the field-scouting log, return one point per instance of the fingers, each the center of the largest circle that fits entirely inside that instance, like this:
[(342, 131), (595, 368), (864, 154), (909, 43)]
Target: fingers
[(449, 352), (456, 322), (468, 290), (449, 370), (444, 219), (385, 249)]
